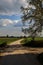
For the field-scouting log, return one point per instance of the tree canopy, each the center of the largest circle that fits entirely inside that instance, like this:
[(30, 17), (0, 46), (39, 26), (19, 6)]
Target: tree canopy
[(34, 11)]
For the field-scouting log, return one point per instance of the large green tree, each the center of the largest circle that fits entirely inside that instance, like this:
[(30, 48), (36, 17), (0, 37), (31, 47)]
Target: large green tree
[(34, 11)]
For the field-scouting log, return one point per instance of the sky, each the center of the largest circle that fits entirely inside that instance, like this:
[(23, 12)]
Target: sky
[(10, 16)]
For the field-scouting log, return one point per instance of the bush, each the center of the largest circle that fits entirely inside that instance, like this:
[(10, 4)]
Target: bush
[(25, 42), (3, 44), (32, 43)]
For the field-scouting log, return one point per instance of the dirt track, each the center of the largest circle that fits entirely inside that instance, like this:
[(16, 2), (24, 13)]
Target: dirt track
[(16, 54), (17, 48)]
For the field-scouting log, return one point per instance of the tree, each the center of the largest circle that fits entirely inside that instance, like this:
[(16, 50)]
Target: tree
[(34, 11), (7, 36)]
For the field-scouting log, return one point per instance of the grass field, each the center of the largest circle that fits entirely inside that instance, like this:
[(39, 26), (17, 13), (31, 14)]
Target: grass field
[(8, 40)]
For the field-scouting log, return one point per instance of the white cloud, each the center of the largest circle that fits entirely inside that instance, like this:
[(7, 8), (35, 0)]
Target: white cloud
[(16, 21), (9, 22), (11, 6), (5, 22)]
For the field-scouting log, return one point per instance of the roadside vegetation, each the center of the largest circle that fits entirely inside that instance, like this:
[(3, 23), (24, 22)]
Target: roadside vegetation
[(37, 42), (5, 41)]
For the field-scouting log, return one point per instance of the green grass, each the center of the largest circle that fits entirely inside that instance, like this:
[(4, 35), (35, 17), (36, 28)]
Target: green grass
[(36, 39), (39, 39), (28, 41), (8, 40)]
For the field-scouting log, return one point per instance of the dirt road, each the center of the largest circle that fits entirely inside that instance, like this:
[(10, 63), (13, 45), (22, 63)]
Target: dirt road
[(16, 54), (17, 48)]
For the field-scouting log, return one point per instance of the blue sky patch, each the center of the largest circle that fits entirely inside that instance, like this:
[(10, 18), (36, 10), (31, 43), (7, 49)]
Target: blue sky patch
[(12, 17)]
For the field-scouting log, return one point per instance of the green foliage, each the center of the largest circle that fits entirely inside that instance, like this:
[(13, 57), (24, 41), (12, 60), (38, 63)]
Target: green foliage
[(3, 44), (26, 40), (33, 13), (37, 42), (29, 39)]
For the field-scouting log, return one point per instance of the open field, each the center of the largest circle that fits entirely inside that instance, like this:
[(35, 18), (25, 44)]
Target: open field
[(8, 40)]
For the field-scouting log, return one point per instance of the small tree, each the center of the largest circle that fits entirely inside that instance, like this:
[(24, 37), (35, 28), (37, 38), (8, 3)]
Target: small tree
[(34, 11), (7, 36)]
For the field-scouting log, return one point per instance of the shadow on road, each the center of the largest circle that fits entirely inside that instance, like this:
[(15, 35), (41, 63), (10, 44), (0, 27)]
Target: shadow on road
[(33, 44), (11, 48), (20, 59)]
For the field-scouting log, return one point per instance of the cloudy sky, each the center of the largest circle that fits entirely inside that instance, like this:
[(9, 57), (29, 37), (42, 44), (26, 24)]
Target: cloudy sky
[(10, 16)]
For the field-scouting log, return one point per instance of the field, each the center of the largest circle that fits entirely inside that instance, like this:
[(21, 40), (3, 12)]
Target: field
[(8, 40)]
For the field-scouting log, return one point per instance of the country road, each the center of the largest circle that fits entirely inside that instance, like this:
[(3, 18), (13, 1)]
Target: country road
[(16, 54)]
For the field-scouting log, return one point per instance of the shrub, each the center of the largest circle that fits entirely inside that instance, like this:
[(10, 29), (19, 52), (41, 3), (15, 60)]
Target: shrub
[(32, 43), (3, 44)]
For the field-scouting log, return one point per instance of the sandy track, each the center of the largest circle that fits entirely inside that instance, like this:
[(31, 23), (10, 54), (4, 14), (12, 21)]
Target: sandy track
[(16, 54), (17, 48), (16, 42)]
